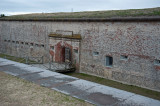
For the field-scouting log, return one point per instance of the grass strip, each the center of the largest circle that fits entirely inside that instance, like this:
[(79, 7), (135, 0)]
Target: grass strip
[(107, 82)]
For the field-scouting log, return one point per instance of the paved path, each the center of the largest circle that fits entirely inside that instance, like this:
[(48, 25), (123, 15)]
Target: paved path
[(91, 92)]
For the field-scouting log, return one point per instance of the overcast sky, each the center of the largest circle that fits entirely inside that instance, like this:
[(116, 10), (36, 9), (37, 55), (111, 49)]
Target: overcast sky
[(12, 7)]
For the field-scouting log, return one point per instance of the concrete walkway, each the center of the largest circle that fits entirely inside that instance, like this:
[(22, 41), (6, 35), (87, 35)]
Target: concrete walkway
[(91, 92)]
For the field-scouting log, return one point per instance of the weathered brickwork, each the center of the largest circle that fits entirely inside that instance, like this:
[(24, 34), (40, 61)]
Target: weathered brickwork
[(24, 39), (139, 41), (57, 50)]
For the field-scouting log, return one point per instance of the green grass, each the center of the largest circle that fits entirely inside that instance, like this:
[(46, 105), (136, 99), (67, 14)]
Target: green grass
[(130, 88), (18, 92), (91, 14), (17, 59)]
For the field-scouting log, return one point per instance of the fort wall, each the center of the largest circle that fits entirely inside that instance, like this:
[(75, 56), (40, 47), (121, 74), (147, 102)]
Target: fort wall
[(128, 52)]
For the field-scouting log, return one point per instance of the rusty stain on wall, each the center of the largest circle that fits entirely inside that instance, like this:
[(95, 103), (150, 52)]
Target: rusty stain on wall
[(140, 41)]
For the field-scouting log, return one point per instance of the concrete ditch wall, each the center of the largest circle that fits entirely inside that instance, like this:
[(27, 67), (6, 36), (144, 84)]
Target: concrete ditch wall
[(138, 41)]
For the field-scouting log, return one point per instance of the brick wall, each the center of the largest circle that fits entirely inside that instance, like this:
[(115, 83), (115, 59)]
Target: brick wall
[(139, 41)]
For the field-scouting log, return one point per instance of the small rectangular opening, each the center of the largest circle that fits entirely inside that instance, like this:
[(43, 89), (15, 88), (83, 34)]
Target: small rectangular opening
[(42, 45), (31, 44), (95, 53), (5, 40), (26, 43), (13, 41), (22, 42), (109, 61), (124, 57), (17, 42), (157, 62), (75, 50)]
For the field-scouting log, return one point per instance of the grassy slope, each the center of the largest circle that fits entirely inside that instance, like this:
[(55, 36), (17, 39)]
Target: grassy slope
[(18, 92), (92, 14)]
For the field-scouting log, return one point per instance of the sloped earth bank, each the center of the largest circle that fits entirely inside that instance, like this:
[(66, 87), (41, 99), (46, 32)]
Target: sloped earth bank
[(18, 92), (85, 90)]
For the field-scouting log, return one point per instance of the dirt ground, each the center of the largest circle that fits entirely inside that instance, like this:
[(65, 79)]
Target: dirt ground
[(18, 92)]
